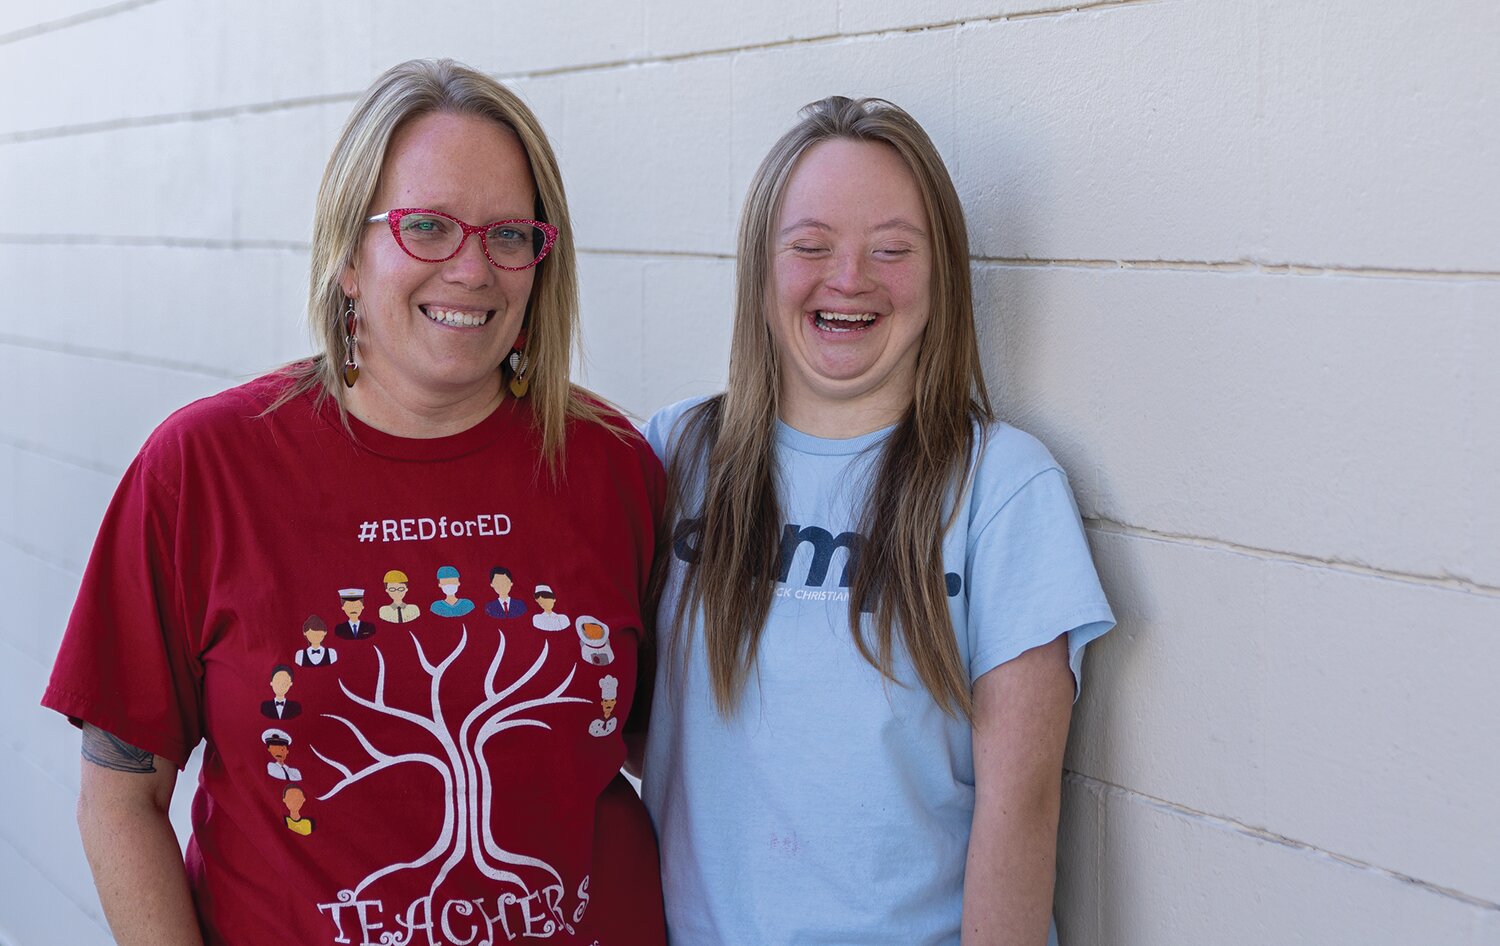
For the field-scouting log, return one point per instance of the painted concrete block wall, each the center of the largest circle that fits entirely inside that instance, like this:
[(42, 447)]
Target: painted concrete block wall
[(1237, 263)]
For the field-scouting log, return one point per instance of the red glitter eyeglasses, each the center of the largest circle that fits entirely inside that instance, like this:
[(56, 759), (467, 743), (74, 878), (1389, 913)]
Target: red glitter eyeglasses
[(433, 237)]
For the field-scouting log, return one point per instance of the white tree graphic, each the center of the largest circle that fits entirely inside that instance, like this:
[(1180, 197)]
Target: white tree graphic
[(458, 757)]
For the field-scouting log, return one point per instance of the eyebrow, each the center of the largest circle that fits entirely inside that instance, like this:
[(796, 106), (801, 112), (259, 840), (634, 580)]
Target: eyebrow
[(895, 223)]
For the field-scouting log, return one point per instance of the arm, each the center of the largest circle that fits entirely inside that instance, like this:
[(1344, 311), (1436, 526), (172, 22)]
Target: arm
[(1021, 713), (137, 864)]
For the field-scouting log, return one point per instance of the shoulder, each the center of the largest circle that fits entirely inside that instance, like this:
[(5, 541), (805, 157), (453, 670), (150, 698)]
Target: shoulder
[(228, 416), (1008, 459), (609, 435), (665, 428)]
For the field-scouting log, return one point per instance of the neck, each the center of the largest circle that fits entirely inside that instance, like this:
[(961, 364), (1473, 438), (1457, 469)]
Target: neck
[(404, 410), (837, 418)]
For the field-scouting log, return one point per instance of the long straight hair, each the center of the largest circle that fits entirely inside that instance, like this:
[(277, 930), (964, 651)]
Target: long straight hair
[(726, 442), (402, 93)]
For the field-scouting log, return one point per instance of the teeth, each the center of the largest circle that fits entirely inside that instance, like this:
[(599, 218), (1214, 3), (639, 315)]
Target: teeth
[(852, 321), (449, 317)]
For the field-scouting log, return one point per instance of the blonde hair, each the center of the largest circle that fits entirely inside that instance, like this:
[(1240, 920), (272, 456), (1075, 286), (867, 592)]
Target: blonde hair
[(923, 465), (404, 92)]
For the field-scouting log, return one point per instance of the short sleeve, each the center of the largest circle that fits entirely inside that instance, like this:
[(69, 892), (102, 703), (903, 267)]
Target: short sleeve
[(1031, 578), (125, 664)]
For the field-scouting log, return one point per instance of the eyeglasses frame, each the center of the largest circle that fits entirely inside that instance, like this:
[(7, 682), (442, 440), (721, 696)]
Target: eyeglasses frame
[(393, 219)]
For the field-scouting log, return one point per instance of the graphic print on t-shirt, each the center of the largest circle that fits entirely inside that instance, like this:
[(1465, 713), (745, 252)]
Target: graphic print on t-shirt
[(532, 898), (279, 744), (818, 564), (546, 618), (352, 628), (398, 611), (504, 606), (593, 638), (450, 605), (315, 654), (280, 706)]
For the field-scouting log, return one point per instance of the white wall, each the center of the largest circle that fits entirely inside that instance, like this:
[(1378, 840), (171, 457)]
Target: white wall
[(1238, 264)]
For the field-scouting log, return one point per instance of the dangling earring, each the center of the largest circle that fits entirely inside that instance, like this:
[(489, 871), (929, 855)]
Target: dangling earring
[(351, 370), (519, 362)]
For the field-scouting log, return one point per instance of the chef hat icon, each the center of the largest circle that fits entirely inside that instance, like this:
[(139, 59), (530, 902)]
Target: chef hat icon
[(608, 687)]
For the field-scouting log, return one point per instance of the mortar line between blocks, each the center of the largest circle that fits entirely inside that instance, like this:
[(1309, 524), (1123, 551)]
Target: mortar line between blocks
[(152, 242), (42, 450), (1262, 834), (41, 555), (1189, 266), (62, 23), (1241, 266), (1441, 582), (226, 111), (123, 357)]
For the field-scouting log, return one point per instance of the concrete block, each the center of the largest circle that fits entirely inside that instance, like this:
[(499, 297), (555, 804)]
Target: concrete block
[(1339, 710), (1172, 702), (41, 612), (1335, 417), (612, 361), (1169, 878), (679, 27), (121, 402), (1254, 131), (915, 70), (1379, 713), (261, 54), (218, 309), (1075, 900), (645, 153), (57, 511), (34, 911), (689, 324)]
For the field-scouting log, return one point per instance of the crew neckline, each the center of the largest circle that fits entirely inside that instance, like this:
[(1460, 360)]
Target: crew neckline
[(794, 439), (506, 416)]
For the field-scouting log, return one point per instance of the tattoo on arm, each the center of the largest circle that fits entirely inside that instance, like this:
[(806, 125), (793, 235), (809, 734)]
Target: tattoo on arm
[(112, 752)]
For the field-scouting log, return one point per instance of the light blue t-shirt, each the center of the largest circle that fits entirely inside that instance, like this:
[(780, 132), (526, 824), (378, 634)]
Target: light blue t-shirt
[(834, 807)]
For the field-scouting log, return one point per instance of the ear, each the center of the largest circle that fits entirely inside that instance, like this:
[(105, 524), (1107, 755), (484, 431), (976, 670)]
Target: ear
[(349, 281)]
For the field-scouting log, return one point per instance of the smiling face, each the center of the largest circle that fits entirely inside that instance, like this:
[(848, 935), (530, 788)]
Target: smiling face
[(849, 287), (438, 331)]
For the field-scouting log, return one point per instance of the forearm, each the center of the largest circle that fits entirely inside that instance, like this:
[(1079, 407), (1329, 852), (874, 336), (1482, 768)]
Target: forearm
[(1010, 872), (138, 869)]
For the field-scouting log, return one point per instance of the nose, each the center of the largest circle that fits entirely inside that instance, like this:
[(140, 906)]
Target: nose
[(848, 275), (470, 268)]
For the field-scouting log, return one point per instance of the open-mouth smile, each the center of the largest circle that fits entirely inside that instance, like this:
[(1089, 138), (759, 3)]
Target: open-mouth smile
[(842, 322), (457, 318)]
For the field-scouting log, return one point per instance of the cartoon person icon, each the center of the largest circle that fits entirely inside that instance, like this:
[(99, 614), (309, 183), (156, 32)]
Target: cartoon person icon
[(451, 605), (315, 654), (279, 707), (294, 798), (279, 744), (593, 636), (608, 689), (398, 611), (504, 606), (548, 619), (352, 600)]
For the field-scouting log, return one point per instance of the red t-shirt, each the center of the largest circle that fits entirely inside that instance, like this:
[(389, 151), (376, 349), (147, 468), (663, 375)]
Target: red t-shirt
[(442, 769)]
